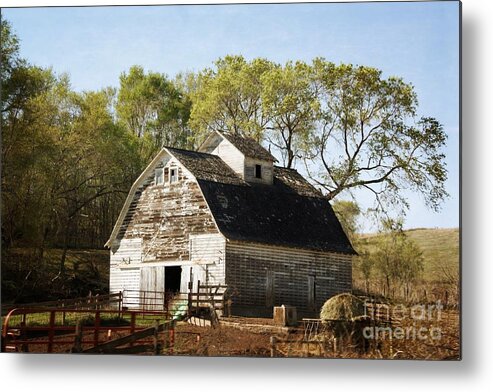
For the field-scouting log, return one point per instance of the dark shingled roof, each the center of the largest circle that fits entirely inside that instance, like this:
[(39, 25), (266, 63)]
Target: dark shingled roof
[(270, 215), (289, 180), (249, 147), (206, 166)]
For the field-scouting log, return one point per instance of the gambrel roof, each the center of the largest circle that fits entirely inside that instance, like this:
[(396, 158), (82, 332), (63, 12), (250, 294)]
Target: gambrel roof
[(291, 212)]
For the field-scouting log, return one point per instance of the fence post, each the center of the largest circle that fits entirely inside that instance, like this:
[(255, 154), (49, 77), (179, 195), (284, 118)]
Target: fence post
[(63, 314), (120, 302), (132, 325), (156, 342), (51, 332), (171, 337), (23, 335), (78, 338), (198, 293), (96, 327), (273, 342)]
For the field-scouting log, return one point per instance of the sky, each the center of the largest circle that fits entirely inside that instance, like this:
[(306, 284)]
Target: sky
[(416, 41)]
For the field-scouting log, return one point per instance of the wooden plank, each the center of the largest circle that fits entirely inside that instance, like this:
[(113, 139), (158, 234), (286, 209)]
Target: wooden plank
[(132, 338), (311, 292), (269, 289), (130, 350)]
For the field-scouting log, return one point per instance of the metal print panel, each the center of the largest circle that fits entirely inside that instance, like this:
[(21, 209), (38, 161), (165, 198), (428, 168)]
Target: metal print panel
[(261, 180)]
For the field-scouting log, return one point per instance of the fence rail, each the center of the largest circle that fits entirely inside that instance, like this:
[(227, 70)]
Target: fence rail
[(27, 327), (89, 302), (99, 317)]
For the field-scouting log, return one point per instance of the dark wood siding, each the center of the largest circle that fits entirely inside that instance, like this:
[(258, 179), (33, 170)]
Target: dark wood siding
[(265, 276)]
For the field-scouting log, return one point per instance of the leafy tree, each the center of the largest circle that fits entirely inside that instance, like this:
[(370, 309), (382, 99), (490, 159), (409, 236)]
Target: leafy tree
[(365, 266), (151, 106), (290, 104), (397, 260), (347, 212), (228, 98), (368, 137), (355, 129)]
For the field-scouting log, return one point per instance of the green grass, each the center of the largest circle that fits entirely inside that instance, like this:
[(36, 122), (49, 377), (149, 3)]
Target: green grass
[(86, 318)]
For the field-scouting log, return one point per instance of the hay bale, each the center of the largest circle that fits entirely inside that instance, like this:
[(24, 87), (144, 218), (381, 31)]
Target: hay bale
[(343, 306), (344, 316)]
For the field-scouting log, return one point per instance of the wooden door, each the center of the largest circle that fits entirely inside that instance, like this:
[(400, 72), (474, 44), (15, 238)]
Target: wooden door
[(152, 287)]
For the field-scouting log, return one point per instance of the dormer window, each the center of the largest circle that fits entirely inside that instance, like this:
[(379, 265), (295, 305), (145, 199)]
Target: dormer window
[(159, 176), (258, 171), (173, 175)]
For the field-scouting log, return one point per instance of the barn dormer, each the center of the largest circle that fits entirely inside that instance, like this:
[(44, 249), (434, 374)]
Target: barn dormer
[(245, 156)]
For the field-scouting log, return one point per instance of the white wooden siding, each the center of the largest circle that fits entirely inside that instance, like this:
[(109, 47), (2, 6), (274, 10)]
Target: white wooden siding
[(152, 278), (231, 155), (124, 261), (207, 258), (124, 279)]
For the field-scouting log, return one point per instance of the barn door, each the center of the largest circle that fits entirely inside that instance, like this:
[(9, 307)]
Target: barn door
[(152, 287)]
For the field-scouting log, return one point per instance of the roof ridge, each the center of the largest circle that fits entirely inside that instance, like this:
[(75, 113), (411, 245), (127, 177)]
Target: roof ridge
[(194, 151)]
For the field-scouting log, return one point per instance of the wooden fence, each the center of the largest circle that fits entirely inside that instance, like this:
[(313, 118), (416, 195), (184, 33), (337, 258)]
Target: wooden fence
[(90, 302), (42, 329)]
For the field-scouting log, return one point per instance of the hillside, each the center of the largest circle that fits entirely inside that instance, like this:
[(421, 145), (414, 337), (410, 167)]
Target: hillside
[(440, 249)]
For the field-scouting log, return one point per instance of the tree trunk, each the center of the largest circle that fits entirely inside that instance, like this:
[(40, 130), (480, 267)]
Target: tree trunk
[(65, 248)]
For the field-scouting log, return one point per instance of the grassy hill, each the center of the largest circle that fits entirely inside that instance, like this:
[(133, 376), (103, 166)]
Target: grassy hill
[(440, 249)]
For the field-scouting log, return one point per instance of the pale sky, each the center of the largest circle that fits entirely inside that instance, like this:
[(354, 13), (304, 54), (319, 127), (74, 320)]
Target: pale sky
[(417, 41)]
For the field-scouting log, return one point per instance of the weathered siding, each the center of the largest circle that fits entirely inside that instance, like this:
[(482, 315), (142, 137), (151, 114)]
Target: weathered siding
[(267, 171), (266, 276), (164, 216), (124, 278), (207, 253), (124, 265)]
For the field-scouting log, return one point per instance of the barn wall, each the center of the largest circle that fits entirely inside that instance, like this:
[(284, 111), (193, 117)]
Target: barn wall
[(124, 265), (265, 276), (164, 216), (207, 254), (157, 229)]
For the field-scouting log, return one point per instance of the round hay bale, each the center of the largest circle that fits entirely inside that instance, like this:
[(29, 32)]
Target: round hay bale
[(344, 316), (343, 306)]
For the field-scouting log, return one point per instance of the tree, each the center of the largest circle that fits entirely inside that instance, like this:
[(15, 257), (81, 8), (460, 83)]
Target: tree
[(290, 104), (365, 266), (152, 107), (368, 137), (347, 212), (23, 148), (353, 128), (228, 98), (397, 260)]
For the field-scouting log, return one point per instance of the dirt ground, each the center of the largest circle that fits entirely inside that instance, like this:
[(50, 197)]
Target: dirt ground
[(227, 340)]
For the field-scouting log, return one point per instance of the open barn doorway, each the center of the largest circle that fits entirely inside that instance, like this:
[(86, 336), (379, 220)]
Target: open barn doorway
[(172, 279)]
